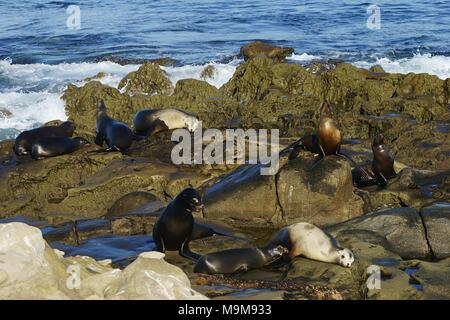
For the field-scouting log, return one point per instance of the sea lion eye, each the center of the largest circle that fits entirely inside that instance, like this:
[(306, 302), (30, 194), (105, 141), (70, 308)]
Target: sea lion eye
[(343, 257)]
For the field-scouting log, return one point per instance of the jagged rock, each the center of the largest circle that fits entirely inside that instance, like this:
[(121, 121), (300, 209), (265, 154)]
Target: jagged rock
[(399, 230), (260, 48), (436, 219), (208, 72), (30, 269), (148, 79)]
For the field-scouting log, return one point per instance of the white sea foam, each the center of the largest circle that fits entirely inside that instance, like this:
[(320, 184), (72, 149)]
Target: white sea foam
[(304, 57), (222, 72), (30, 94), (30, 109), (419, 63)]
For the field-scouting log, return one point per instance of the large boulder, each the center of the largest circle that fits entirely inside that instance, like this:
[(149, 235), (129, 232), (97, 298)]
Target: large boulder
[(436, 220), (149, 79), (30, 269), (400, 230), (322, 195), (261, 48)]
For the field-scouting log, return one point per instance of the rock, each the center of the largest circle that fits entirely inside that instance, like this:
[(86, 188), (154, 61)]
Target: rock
[(133, 200), (436, 219), (377, 69), (323, 196), (165, 61), (399, 230), (148, 79), (81, 106), (244, 194), (260, 48), (4, 113), (6, 149), (433, 278), (30, 269), (208, 72)]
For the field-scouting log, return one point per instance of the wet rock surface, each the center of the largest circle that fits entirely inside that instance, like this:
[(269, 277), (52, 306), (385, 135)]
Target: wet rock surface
[(105, 204)]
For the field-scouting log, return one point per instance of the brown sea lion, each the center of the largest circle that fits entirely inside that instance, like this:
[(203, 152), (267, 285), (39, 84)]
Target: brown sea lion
[(379, 170), (327, 140)]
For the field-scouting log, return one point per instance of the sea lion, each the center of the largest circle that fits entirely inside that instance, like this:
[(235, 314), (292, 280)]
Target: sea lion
[(26, 139), (174, 227), (307, 240), (56, 146), (379, 170), (327, 140), (238, 260), (117, 135), (151, 121)]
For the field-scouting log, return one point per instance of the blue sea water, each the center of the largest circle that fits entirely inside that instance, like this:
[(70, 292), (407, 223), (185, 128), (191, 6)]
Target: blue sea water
[(40, 54)]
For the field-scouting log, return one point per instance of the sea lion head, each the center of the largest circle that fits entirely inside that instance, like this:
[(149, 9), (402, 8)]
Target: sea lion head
[(326, 110), (19, 149), (69, 127), (192, 123), (378, 140), (190, 199), (82, 141), (101, 107), (345, 258), (278, 251)]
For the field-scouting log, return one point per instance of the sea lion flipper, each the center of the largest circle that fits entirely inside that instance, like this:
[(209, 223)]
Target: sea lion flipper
[(187, 253), (381, 179), (99, 139), (316, 161)]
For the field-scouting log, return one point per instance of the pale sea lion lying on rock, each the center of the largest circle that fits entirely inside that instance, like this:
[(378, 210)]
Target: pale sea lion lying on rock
[(307, 240)]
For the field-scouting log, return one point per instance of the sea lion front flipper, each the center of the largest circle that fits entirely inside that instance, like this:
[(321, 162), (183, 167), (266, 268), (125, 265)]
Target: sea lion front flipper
[(316, 161), (295, 151), (159, 244), (381, 179), (187, 253), (99, 139)]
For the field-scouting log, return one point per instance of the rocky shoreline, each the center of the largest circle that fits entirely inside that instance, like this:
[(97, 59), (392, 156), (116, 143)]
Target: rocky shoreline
[(403, 228)]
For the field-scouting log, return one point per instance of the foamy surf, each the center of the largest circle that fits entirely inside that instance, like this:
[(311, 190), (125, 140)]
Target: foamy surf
[(419, 63), (221, 75), (303, 57)]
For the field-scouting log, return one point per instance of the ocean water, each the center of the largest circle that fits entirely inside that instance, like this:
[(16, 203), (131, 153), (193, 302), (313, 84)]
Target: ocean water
[(40, 52)]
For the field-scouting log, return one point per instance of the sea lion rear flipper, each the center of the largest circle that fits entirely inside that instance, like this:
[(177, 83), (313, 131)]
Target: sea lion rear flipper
[(187, 253), (99, 139)]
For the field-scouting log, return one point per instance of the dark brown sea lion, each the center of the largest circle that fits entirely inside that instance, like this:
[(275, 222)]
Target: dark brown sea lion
[(26, 139), (238, 260), (56, 146), (379, 170), (174, 228), (327, 140), (117, 135)]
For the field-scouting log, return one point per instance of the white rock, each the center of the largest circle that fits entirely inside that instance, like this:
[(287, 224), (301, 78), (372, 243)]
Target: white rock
[(30, 269)]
